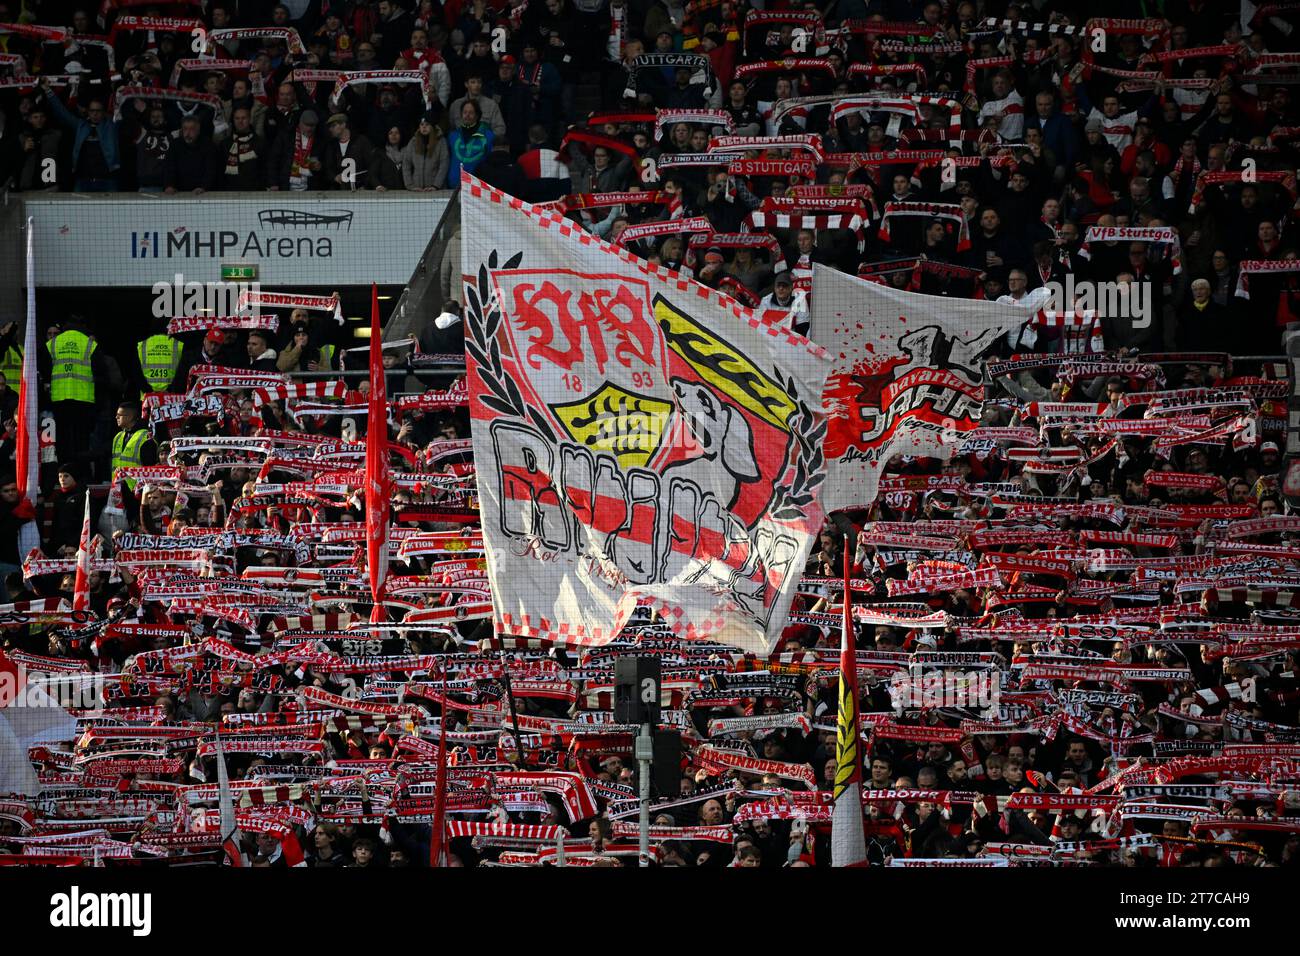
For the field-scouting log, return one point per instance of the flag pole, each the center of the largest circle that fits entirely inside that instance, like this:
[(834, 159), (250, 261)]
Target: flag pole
[(848, 837), (510, 697)]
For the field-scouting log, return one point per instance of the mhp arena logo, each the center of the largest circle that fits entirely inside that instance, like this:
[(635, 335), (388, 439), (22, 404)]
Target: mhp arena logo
[(281, 233), (145, 245)]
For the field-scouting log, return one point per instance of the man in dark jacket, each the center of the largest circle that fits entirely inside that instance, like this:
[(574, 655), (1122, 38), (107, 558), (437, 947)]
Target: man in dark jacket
[(281, 119), (393, 32), (96, 159), (499, 170), (189, 166), (347, 156), (261, 357), (68, 504), (152, 144), (391, 110), (14, 513), (536, 98), (39, 149), (1059, 136), (241, 154), (296, 158), (993, 247), (1200, 319)]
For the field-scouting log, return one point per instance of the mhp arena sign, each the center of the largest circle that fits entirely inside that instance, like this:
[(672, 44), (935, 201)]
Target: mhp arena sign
[(311, 239)]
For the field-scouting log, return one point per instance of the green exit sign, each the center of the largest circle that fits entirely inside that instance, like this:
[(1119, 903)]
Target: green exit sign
[(238, 273)]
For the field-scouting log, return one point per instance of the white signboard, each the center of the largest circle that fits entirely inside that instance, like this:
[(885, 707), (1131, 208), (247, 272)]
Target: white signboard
[(325, 239)]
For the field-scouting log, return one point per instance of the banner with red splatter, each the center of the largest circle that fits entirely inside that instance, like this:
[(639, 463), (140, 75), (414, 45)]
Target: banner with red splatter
[(906, 376)]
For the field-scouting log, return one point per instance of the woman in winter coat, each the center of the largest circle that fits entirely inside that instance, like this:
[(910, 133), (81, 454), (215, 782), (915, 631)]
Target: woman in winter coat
[(424, 159), (386, 168)]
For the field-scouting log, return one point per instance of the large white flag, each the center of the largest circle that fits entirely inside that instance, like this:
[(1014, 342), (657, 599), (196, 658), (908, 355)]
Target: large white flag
[(907, 375), (638, 437), (29, 716)]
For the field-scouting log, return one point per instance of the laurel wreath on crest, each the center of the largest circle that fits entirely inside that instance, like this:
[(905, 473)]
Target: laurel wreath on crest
[(483, 321), (790, 501)]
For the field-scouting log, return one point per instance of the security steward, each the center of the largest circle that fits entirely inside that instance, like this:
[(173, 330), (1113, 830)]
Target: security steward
[(71, 364), (132, 445), (160, 359)]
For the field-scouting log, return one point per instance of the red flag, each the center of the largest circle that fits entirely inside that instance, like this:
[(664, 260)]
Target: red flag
[(81, 584), (28, 450), (377, 466), (848, 839)]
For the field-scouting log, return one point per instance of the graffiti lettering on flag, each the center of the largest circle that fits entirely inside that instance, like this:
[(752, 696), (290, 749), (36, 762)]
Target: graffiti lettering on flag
[(906, 378), (627, 448)]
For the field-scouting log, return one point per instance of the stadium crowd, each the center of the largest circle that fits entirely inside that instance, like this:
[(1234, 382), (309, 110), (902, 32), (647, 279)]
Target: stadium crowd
[(1112, 550)]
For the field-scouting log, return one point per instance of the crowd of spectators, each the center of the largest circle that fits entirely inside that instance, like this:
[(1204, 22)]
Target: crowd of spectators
[(927, 149)]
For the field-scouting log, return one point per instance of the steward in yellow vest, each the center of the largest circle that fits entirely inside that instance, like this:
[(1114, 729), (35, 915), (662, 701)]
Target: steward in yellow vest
[(72, 378), (160, 358), (132, 445)]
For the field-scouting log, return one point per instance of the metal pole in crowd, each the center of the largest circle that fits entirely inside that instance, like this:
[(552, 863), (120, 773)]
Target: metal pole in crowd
[(510, 698), (645, 744)]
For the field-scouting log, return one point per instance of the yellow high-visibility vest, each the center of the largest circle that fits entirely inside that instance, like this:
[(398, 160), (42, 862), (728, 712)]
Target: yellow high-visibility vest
[(11, 365), (126, 451), (72, 379), (160, 357)]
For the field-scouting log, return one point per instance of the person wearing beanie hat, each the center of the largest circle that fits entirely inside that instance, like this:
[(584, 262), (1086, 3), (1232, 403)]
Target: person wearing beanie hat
[(711, 269), (298, 354), (424, 157), (68, 504), (538, 99)]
